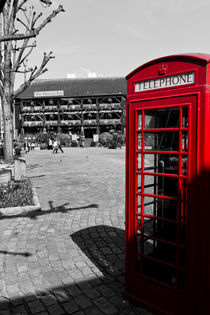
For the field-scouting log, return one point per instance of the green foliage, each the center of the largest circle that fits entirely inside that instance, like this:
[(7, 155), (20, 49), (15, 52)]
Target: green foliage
[(105, 138), (16, 194), (64, 138), (42, 137), (111, 140)]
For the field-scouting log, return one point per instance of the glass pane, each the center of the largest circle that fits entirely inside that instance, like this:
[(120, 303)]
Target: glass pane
[(161, 185), (138, 245), (182, 232), (138, 203), (162, 118), (184, 141), (140, 120), (139, 141), (184, 188), (138, 182), (159, 272), (150, 185), (182, 257), (181, 280), (159, 250), (161, 163), (184, 117), (163, 208), (149, 247), (150, 205), (138, 224), (184, 165), (139, 162), (153, 227), (162, 141)]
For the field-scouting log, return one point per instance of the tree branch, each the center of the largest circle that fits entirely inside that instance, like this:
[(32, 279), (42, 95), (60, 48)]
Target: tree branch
[(35, 73), (29, 52), (26, 26), (47, 2), (21, 4), (34, 32)]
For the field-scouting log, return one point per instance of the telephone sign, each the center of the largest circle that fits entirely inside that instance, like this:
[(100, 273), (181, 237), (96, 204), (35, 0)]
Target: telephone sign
[(159, 83)]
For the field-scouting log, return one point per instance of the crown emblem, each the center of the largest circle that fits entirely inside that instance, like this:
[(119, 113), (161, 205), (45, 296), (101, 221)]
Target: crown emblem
[(162, 69)]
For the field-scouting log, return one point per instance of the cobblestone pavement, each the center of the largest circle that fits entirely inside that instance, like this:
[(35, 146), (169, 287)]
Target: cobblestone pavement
[(69, 257)]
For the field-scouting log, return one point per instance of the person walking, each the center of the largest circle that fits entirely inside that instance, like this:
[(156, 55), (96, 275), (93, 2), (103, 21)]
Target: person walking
[(32, 146), (59, 146), (28, 146), (55, 147), (50, 145), (17, 150)]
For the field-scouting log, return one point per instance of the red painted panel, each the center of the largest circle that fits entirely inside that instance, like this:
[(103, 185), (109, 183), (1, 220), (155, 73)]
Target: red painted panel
[(142, 284)]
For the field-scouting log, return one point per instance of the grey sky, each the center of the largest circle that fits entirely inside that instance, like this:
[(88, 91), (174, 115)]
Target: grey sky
[(113, 37)]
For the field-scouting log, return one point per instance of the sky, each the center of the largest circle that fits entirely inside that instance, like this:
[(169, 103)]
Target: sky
[(113, 37)]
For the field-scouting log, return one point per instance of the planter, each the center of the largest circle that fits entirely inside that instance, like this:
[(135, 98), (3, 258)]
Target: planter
[(20, 168), (5, 176), (13, 211)]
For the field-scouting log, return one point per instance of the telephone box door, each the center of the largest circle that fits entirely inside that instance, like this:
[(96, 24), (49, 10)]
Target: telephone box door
[(162, 151)]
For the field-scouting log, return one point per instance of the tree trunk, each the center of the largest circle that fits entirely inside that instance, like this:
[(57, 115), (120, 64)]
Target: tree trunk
[(8, 126)]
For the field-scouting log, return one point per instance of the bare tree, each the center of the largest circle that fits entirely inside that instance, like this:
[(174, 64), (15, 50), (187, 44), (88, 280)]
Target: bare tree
[(19, 24)]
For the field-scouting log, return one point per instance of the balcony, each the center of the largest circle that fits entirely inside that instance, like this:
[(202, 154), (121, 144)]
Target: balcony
[(109, 122), (32, 123)]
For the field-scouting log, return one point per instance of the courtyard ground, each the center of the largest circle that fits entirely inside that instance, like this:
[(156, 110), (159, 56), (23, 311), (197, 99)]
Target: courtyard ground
[(69, 257)]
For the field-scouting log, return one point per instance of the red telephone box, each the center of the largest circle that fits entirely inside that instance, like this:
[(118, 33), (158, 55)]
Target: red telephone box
[(168, 185)]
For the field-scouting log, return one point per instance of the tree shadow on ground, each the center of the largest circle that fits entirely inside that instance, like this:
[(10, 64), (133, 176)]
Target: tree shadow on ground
[(92, 286), (32, 166), (37, 213), (24, 254), (36, 176)]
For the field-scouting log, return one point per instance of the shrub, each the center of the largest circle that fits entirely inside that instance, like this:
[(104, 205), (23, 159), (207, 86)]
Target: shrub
[(15, 194), (105, 138), (112, 139), (64, 138), (42, 137)]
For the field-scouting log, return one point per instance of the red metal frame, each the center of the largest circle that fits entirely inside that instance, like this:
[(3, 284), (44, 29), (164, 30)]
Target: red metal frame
[(186, 294), (179, 176)]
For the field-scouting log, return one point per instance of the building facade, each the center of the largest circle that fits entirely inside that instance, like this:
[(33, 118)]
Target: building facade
[(89, 106)]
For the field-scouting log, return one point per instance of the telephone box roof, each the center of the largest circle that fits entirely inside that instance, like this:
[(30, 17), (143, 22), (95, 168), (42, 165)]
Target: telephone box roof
[(78, 87), (196, 57)]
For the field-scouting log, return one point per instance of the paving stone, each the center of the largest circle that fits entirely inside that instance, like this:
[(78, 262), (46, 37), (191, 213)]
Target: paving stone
[(105, 290), (119, 302), (20, 310), (83, 301), (70, 307), (17, 301), (48, 299), (73, 290), (93, 311), (56, 310), (92, 293), (61, 295), (105, 306), (36, 307), (4, 303)]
